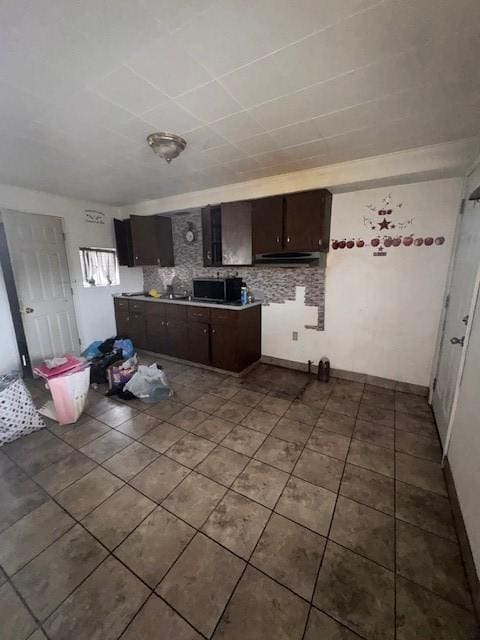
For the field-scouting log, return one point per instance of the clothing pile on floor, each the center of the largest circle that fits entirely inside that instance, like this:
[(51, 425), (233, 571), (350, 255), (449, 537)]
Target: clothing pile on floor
[(115, 362)]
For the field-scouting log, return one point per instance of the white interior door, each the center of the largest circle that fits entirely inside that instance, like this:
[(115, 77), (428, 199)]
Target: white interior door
[(466, 262), (464, 446), (37, 252)]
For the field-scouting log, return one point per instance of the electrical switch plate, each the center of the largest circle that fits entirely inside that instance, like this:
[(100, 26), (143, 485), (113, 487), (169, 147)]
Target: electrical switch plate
[(294, 335)]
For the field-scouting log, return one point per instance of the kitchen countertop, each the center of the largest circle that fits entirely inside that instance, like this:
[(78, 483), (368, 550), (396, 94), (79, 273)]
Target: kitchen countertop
[(193, 303)]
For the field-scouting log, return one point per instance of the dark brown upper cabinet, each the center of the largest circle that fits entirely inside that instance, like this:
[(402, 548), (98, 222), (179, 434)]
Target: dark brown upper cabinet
[(145, 241), (212, 236), (227, 234), (236, 219), (123, 237), (267, 224), (307, 220)]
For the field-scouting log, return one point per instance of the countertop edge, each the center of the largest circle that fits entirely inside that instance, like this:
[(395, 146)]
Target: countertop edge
[(191, 303)]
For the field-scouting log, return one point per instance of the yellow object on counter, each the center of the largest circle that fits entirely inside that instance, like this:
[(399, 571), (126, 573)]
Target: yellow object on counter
[(153, 293)]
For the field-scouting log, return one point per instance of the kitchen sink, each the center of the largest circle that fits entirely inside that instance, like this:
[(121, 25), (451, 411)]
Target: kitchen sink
[(174, 296)]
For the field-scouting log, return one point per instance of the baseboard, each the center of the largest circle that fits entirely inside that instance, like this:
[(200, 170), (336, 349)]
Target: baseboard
[(199, 365), (354, 376), (464, 543)]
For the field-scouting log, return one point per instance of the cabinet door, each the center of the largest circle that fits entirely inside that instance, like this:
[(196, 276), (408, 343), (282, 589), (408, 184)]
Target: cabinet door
[(237, 233), (224, 347), (123, 321), (123, 240), (165, 240), (156, 332), (152, 240), (144, 240), (307, 220), (177, 339), (199, 342), (212, 236), (137, 330), (267, 225)]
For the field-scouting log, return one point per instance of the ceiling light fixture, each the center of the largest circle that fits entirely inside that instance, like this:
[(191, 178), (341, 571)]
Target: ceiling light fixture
[(166, 145)]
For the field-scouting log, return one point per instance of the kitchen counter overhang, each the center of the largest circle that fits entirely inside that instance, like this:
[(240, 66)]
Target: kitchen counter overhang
[(192, 303)]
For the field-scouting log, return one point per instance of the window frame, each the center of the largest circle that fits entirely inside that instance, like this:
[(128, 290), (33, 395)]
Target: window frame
[(91, 283)]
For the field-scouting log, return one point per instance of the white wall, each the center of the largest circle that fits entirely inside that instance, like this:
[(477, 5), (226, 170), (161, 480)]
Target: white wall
[(381, 313), (93, 306)]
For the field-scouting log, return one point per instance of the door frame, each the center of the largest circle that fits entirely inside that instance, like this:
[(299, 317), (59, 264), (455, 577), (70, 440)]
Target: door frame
[(14, 305)]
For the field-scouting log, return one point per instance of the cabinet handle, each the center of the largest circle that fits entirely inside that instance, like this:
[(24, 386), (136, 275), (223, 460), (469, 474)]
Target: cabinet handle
[(320, 242), (278, 239), (213, 330), (136, 257), (209, 255), (166, 323), (288, 238), (204, 331)]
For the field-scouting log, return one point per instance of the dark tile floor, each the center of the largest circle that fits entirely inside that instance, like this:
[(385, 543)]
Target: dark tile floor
[(271, 507)]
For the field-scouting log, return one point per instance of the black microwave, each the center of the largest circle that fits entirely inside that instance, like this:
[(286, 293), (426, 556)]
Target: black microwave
[(217, 289)]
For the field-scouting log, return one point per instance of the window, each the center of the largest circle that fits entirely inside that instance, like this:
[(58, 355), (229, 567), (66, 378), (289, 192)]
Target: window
[(99, 267)]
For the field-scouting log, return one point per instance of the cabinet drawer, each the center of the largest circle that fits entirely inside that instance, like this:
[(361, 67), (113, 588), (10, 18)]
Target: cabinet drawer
[(176, 312), (155, 309), (137, 306), (199, 314), (121, 304), (224, 316)]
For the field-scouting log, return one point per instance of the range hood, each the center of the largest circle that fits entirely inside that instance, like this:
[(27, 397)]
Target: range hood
[(291, 258)]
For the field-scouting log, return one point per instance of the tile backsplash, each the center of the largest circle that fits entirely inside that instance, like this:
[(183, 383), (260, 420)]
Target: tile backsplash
[(270, 284)]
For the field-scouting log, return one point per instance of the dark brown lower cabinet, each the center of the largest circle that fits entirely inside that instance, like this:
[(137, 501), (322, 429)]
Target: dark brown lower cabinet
[(177, 337), (132, 324), (199, 342), (223, 338), (223, 343)]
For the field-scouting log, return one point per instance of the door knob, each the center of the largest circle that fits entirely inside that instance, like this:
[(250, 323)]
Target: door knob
[(29, 310), (457, 340)]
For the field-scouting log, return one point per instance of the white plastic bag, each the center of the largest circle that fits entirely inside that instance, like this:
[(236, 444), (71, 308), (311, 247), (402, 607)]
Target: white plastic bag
[(150, 384)]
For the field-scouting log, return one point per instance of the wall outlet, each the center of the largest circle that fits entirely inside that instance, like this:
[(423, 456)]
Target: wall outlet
[(294, 335)]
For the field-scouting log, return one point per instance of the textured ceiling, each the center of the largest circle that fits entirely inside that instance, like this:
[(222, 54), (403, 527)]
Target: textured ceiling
[(257, 87)]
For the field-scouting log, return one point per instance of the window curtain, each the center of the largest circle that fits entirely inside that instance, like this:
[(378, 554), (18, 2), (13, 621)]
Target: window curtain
[(99, 266)]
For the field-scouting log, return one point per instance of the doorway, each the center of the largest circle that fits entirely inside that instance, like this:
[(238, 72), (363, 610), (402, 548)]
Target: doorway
[(456, 318), (36, 246)]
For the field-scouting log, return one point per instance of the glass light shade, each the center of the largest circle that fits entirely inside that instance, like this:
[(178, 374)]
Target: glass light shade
[(166, 145)]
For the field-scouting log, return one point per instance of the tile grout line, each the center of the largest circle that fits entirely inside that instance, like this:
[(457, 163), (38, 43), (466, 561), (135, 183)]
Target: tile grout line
[(228, 488), (329, 530)]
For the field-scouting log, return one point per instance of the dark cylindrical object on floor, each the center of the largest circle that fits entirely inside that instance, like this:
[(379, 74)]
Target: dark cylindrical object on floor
[(323, 369)]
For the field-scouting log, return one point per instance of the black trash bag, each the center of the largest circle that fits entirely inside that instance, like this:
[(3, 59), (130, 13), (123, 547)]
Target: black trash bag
[(98, 367), (107, 346)]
